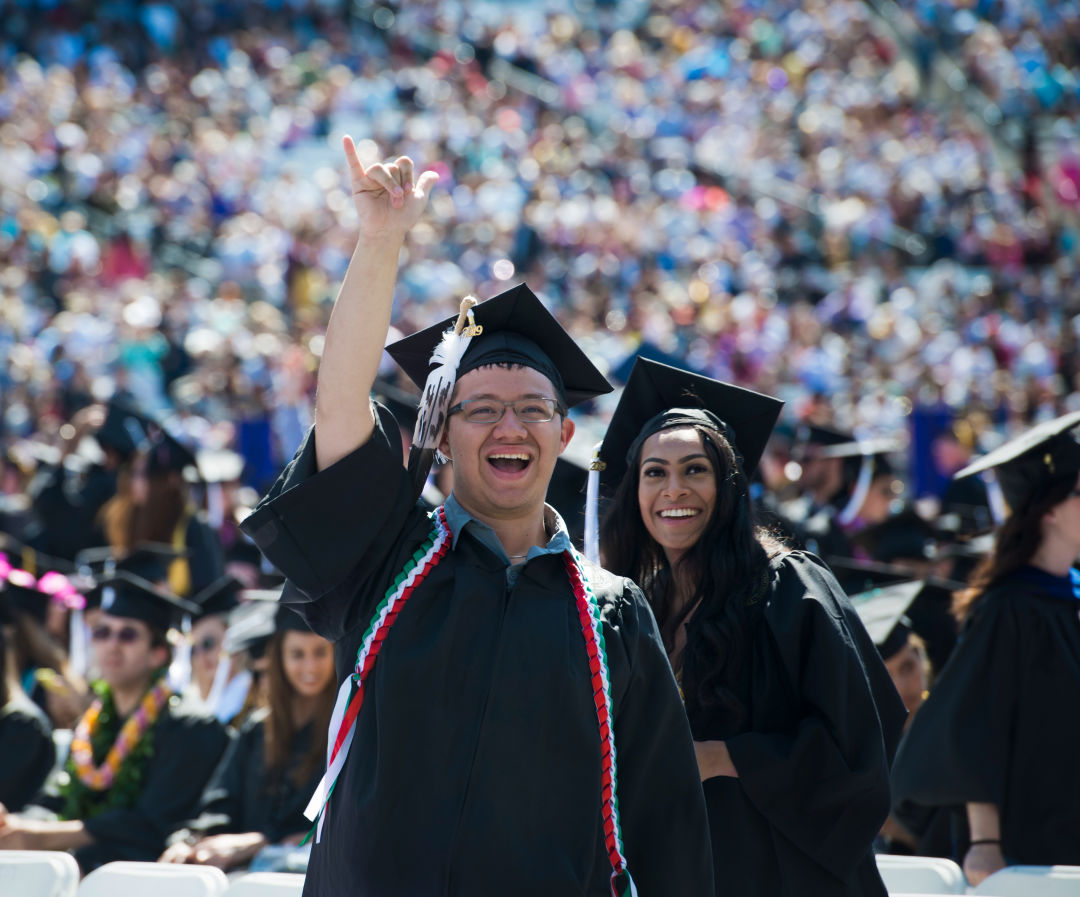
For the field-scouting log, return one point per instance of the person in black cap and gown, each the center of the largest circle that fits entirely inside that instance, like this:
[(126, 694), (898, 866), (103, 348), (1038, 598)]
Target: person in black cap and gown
[(794, 717), (258, 794), (139, 758), (1000, 730), (483, 758), (27, 753), (220, 681), (154, 506)]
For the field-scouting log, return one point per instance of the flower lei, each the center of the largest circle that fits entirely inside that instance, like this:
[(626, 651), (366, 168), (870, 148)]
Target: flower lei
[(351, 693), (116, 781)]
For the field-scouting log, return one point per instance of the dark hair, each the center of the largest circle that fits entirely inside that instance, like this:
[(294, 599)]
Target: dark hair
[(279, 725), (729, 566), (1017, 540)]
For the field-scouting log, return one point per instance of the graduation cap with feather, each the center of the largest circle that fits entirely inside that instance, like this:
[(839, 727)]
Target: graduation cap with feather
[(510, 328)]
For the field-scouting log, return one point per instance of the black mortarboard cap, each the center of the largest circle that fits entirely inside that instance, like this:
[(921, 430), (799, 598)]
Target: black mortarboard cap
[(125, 595), (811, 439), (1027, 465), (165, 453), (859, 448), (654, 390), (29, 558), (903, 535), (146, 560), (125, 429), (220, 597), (883, 612), (519, 330), (19, 594)]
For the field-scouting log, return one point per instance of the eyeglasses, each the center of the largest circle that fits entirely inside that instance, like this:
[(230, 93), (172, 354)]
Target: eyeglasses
[(209, 643), (490, 411), (125, 635)]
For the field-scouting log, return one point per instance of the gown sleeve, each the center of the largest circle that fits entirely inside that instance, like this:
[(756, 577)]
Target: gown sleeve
[(662, 807), (221, 807), (957, 747), (822, 782), (27, 755), (186, 750), (326, 530)]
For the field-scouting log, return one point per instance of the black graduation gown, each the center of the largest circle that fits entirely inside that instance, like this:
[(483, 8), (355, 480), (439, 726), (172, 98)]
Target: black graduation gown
[(188, 743), (813, 753), (65, 509), (1002, 723), (475, 767), (242, 797), (27, 753)]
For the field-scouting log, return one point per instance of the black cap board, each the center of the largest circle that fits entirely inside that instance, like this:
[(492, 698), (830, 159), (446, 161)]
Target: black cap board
[(1026, 465), (654, 399), (903, 535), (859, 448), (146, 560), (166, 453), (125, 428), (883, 612), (125, 595), (19, 594), (516, 329), (220, 597)]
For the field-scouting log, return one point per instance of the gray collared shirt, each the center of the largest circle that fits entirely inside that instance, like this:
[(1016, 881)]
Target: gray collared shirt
[(457, 518)]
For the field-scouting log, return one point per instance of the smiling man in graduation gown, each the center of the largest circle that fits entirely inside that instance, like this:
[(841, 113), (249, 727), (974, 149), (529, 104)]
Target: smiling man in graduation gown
[(139, 756), (521, 732)]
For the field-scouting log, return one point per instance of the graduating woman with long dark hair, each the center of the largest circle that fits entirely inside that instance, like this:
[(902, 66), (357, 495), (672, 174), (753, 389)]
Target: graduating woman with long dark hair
[(998, 735), (258, 794), (793, 714)]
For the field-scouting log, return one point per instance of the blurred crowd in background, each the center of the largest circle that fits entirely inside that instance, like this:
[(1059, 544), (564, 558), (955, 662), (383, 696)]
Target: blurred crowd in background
[(789, 195)]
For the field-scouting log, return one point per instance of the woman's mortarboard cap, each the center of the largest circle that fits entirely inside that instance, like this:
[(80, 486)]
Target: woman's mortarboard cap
[(516, 329), (165, 453), (883, 611), (125, 429), (654, 388), (220, 597), (1026, 465)]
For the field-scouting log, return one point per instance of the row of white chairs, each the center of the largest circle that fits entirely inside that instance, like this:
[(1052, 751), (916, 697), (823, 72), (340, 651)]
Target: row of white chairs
[(49, 874), (34, 873), (934, 877)]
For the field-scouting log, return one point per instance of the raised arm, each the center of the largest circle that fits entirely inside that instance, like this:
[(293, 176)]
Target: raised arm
[(388, 202)]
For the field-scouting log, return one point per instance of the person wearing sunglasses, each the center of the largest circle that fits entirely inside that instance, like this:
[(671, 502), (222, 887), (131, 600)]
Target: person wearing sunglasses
[(139, 756), (998, 735), (509, 722), (221, 681)]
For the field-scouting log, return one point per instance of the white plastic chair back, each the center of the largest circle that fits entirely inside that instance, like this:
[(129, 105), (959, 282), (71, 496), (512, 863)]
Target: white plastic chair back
[(267, 884), (124, 879), (1032, 881), (920, 875), (38, 873)]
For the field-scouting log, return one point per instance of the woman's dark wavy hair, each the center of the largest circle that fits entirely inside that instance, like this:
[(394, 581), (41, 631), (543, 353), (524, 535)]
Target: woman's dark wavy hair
[(729, 565), (1015, 544)]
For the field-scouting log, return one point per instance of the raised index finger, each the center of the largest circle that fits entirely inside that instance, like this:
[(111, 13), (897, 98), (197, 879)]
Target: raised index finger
[(356, 168)]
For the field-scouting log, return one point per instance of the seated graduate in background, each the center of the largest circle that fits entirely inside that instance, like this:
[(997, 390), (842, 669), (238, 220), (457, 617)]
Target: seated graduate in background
[(258, 794), (887, 611), (153, 505), (26, 746), (1000, 729), (220, 680), (793, 714), (139, 757)]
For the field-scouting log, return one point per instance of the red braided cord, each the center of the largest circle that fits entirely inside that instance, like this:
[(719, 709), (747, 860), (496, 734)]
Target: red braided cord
[(618, 863)]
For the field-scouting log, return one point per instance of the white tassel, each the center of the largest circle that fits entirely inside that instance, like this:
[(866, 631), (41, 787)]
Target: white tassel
[(431, 415), (862, 489), (592, 507)]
